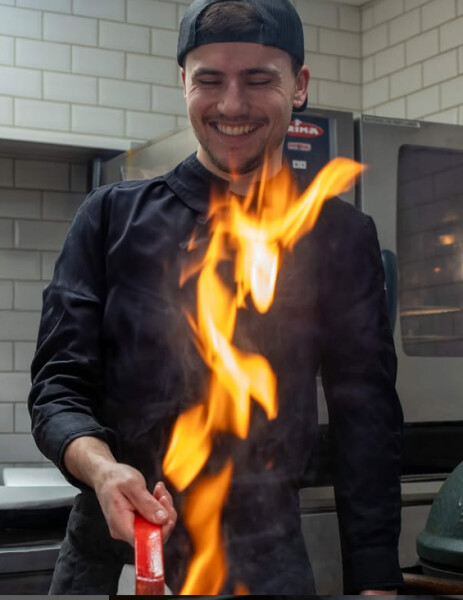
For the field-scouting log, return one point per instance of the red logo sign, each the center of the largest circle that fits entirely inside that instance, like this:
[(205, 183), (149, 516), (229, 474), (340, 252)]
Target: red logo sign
[(299, 146), (298, 128)]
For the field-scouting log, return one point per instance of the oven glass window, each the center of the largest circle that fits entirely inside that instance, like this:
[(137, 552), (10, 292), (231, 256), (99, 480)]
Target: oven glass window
[(430, 250)]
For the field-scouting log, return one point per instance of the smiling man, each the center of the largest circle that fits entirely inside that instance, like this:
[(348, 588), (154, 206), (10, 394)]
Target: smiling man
[(115, 363)]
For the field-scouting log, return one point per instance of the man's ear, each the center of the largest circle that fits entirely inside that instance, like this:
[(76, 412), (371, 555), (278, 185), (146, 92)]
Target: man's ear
[(302, 83), (183, 76)]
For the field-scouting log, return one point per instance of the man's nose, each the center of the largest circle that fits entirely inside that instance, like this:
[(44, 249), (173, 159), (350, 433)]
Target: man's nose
[(232, 101)]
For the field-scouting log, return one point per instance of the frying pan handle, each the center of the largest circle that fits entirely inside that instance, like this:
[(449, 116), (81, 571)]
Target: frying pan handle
[(149, 558)]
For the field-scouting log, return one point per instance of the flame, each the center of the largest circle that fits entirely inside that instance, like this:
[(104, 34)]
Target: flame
[(253, 236)]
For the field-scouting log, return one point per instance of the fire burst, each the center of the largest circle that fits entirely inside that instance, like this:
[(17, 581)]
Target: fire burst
[(254, 235)]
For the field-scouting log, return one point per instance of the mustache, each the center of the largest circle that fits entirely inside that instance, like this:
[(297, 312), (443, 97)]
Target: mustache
[(241, 120)]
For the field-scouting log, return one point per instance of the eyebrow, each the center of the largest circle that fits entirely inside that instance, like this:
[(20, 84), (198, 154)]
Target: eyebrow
[(203, 71)]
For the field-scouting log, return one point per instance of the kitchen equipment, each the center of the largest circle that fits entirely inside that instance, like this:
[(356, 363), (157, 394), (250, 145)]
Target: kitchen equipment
[(34, 509)]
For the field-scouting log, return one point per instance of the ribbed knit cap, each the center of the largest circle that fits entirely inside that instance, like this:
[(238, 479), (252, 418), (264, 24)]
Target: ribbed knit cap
[(280, 26)]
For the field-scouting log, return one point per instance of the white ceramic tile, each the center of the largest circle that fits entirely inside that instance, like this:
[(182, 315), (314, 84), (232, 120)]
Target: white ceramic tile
[(164, 42), (437, 12), (20, 22), (120, 36), (374, 40), (350, 18), (440, 68), (452, 92), (100, 9), (6, 417), (6, 172), (42, 115), (375, 92), (42, 174), (342, 43), (20, 82), (28, 295), (340, 95), (350, 70), (43, 55), (395, 109), (62, 6), (168, 100), (310, 38), (18, 448), (6, 232), (422, 46), (40, 235), (6, 348), (6, 111), (407, 81), (423, 103), (6, 50), (323, 66), (23, 354), (18, 326), (385, 10), (450, 117), (324, 14), (96, 120), (95, 61), (22, 419), (144, 126), (70, 29), (404, 27), (152, 69), (61, 206), (70, 88), (390, 60), (48, 260), (152, 13), (451, 34), (124, 94), (17, 203)]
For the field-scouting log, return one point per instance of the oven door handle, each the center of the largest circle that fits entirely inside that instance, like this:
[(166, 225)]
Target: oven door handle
[(391, 284)]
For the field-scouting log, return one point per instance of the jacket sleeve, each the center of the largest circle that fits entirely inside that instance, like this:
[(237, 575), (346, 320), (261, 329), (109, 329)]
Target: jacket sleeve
[(67, 380), (358, 373)]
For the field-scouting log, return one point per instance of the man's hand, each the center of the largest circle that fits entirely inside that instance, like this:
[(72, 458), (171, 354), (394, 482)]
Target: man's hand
[(120, 489), (122, 492)]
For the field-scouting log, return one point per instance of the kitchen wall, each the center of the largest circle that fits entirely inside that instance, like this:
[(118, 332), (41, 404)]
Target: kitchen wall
[(38, 199), (413, 59), (101, 73)]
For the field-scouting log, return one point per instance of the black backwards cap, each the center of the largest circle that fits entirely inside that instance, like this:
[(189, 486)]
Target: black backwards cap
[(280, 26)]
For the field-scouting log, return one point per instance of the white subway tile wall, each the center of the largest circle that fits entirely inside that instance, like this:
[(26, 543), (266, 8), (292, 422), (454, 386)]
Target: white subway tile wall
[(107, 68), (38, 200), (429, 85)]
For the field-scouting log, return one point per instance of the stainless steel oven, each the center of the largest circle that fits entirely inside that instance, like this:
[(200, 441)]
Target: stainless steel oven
[(413, 189)]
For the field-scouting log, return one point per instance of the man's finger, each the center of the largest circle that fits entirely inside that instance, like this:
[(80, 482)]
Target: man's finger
[(149, 508), (160, 490), (123, 527)]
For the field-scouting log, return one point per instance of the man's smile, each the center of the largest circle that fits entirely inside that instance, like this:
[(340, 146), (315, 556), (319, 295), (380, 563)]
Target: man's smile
[(234, 130)]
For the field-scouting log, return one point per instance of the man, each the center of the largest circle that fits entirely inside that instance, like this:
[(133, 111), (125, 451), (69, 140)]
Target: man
[(115, 364)]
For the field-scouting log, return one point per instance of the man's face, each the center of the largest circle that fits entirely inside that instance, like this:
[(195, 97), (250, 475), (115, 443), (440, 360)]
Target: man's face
[(239, 98)]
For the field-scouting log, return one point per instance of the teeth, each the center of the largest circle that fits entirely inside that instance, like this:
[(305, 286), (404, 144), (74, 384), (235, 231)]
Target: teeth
[(235, 130)]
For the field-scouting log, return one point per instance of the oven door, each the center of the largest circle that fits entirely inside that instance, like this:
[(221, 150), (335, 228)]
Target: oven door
[(413, 189)]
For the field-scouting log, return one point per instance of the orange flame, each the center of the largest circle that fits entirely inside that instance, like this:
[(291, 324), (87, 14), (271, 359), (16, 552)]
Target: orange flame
[(253, 237)]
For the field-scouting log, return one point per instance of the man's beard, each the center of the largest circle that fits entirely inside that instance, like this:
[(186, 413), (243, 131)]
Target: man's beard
[(249, 165)]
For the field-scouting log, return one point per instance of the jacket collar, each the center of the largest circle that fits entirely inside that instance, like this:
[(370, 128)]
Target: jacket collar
[(192, 183)]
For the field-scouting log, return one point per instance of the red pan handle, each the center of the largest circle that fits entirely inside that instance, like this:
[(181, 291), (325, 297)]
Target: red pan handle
[(149, 558)]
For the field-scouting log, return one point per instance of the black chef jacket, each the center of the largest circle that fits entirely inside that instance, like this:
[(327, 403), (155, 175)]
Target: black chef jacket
[(115, 360)]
